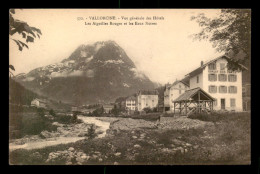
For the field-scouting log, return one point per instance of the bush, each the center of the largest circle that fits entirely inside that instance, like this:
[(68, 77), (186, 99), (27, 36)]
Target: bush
[(218, 116), (63, 119), (91, 132), (51, 112), (147, 110), (66, 119), (41, 112), (34, 126), (98, 111), (213, 117)]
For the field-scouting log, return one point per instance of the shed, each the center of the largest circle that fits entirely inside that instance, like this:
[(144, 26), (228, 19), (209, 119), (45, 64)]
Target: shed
[(193, 100)]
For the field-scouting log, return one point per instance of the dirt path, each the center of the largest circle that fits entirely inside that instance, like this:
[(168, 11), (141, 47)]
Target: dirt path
[(102, 126)]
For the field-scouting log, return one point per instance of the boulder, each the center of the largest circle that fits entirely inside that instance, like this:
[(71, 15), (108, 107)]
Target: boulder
[(57, 124), (71, 149), (45, 134), (117, 154), (137, 146), (188, 145), (82, 134), (196, 146), (69, 163)]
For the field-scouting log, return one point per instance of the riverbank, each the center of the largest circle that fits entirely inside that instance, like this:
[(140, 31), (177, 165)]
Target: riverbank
[(66, 133)]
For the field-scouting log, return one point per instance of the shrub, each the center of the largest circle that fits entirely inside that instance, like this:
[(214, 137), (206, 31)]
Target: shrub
[(213, 117), (64, 119), (40, 112), (98, 111), (91, 132), (155, 109), (51, 112), (34, 126), (147, 110)]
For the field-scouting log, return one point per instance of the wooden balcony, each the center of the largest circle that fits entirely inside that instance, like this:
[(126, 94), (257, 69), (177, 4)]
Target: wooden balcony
[(213, 71)]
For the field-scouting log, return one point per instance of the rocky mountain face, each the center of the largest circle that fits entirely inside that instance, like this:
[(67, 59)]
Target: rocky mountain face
[(100, 72)]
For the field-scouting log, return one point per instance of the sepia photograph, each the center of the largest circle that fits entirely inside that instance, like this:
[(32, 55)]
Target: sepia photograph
[(129, 86)]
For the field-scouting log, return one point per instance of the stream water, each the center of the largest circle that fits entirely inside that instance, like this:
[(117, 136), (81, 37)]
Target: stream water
[(41, 143)]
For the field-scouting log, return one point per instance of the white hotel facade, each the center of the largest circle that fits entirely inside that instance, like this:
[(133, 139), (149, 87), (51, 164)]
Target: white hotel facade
[(218, 81)]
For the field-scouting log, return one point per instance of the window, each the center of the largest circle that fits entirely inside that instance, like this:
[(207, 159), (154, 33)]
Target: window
[(232, 102), (212, 77), (222, 66), (232, 89), (212, 66), (198, 79), (212, 89), (232, 78), (222, 89), (222, 77)]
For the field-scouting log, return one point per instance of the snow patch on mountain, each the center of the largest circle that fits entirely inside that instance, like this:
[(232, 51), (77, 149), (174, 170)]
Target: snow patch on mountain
[(66, 74), (137, 73), (89, 59), (28, 79), (98, 46), (114, 61), (126, 85), (83, 53)]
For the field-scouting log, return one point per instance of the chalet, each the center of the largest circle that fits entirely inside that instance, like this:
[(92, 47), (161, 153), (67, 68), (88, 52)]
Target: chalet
[(130, 104), (108, 108), (147, 99), (172, 91), (219, 82), (39, 103)]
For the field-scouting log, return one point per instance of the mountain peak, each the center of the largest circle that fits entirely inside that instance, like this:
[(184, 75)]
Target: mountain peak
[(98, 71)]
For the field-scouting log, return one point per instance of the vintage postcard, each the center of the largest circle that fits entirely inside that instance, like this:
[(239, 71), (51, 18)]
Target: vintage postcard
[(129, 86)]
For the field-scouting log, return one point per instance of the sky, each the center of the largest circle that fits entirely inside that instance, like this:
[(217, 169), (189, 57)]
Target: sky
[(164, 52)]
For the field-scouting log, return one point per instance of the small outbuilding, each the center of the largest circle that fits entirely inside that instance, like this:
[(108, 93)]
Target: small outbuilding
[(194, 100)]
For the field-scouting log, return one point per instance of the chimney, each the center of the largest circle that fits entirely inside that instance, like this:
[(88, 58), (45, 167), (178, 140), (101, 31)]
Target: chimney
[(201, 63)]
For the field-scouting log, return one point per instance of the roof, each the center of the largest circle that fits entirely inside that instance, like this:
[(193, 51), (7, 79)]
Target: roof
[(179, 81), (192, 95), (186, 81), (131, 98), (148, 92), (41, 100), (108, 106), (200, 69)]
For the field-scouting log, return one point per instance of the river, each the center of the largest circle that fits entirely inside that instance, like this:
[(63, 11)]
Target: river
[(102, 126)]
